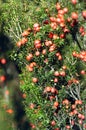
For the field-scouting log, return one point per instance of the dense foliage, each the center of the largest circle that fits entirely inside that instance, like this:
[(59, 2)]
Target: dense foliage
[(51, 53)]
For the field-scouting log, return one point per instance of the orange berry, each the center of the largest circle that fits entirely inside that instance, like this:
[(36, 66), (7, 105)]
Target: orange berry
[(29, 57), (60, 57), (10, 111), (53, 90), (44, 51), (58, 6), (32, 105), (25, 33), (75, 112), (30, 69), (71, 113), (64, 67), (73, 106), (47, 89), (65, 10), (24, 95), (24, 40), (65, 102), (74, 15), (62, 73), (56, 104), (56, 73), (37, 53), (18, 44), (35, 80)]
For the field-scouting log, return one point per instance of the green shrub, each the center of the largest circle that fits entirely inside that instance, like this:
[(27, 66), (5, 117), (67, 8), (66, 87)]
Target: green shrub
[(51, 53)]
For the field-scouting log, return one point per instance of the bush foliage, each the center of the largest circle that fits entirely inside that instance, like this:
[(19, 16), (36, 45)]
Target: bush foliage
[(51, 53)]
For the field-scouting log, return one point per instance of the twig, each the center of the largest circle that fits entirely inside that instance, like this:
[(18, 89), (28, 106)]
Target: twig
[(72, 94)]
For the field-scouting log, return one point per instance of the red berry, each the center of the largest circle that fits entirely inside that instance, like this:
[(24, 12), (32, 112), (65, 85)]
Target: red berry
[(50, 35), (37, 42), (72, 122), (52, 19), (46, 21), (47, 89), (84, 14), (74, 2), (67, 127), (37, 53), (81, 29), (36, 25), (74, 15), (62, 73), (65, 10), (53, 90), (2, 78), (56, 129), (74, 53), (55, 80), (56, 73), (79, 115), (53, 123), (3, 61), (80, 122), (62, 36), (58, 6), (83, 72)]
